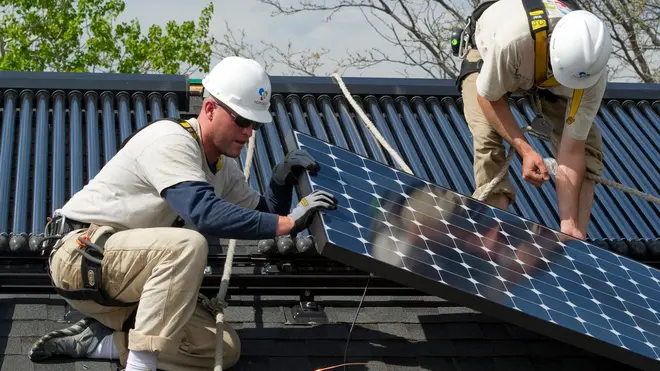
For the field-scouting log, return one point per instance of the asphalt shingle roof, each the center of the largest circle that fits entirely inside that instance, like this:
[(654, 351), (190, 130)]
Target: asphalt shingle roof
[(390, 334)]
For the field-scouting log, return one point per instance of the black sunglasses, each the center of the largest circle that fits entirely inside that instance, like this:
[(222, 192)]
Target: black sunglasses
[(238, 119)]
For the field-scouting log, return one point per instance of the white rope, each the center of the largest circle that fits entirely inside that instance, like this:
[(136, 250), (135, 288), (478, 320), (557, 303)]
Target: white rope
[(598, 179), (493, 183), (488, 189), (217, 304), (619, 186), (370, 125)]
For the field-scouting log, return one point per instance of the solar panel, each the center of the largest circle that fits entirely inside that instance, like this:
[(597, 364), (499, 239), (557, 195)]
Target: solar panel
[(424, 236)]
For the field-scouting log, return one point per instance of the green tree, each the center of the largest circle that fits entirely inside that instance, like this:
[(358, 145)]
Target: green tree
[(84, 36)]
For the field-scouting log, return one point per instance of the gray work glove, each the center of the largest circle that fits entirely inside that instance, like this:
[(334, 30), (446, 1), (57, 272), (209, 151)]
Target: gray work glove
[(287, 172), (302, 214)]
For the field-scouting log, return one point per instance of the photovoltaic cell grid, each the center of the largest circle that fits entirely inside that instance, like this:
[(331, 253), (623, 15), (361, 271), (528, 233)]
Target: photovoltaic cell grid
[(423, 235)]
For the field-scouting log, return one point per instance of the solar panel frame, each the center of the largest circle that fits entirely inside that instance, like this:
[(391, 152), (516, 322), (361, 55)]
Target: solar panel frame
[(358, 260)]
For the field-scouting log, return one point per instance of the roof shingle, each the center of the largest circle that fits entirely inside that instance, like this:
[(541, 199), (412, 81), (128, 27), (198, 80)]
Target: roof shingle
[(424, 339)]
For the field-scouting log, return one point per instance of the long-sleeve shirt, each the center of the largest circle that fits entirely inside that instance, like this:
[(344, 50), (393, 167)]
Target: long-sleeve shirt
[(162, 173)]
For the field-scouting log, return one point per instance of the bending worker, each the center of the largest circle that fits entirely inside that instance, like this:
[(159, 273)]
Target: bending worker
[(170, 169), (559, 56)]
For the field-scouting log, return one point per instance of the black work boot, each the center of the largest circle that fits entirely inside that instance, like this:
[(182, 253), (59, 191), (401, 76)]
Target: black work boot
[(76, 341)]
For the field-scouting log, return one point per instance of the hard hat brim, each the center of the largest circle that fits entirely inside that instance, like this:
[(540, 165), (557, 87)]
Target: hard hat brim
[(572, 82), (263, 117)]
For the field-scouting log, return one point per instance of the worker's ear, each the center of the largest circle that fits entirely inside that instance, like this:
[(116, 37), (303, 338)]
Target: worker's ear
[(209, 108)]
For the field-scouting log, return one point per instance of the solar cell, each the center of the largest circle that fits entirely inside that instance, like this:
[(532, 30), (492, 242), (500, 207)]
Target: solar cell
[(430, 238)]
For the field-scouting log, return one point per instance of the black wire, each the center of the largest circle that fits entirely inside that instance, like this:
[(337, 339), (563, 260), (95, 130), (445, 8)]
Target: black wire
[(348, 339)]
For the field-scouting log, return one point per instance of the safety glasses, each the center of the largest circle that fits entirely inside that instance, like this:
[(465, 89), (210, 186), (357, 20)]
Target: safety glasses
[(238, 119)]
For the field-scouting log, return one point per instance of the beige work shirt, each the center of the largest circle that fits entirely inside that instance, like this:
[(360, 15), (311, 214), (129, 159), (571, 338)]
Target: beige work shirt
[(503, 38), (126, 193)]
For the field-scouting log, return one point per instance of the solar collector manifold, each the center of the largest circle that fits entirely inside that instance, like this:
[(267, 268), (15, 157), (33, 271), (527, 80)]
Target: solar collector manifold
[(58, 134)]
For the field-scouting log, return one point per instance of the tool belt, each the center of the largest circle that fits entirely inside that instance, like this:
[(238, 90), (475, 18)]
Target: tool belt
[(90, 264)]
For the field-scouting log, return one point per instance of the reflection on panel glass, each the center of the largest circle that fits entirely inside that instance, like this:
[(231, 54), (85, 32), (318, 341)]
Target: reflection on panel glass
[(459, 242)]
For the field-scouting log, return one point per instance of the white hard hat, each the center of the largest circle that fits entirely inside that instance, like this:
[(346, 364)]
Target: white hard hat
[(243, 85), (580, 47)]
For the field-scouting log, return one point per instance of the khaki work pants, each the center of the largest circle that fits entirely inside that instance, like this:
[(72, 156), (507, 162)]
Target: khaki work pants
[(489, 150), (162, 268)]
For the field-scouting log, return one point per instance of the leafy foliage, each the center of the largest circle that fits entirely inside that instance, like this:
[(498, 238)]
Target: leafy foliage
[(82, 36)]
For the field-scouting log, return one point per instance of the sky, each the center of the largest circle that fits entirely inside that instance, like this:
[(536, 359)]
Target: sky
[(346, 31)]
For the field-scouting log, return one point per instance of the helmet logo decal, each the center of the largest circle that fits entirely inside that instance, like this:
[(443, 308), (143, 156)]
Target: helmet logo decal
[(562, 7), (263, 93), (583, 74)]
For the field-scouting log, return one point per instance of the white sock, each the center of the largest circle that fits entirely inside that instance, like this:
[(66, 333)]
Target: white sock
[(105, 350), (141, 361)]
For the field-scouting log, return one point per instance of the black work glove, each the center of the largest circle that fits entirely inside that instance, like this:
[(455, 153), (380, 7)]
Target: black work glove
[(302, 214), (287, 172)]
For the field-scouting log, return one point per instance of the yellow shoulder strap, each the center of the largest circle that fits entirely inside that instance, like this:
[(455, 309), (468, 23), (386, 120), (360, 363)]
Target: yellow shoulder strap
[(186, 125), (575, 103), (539, 26)]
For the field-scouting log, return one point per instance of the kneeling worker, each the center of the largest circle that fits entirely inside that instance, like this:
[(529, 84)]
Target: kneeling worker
[(167, 170), (559, 54)]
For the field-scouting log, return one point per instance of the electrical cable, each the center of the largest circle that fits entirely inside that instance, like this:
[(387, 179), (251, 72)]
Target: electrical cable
[(350, 331), (357, 313)]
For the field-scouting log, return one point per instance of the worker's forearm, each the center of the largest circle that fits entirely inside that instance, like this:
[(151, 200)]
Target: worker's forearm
[(499, 116), (198, 205), (569, 178)]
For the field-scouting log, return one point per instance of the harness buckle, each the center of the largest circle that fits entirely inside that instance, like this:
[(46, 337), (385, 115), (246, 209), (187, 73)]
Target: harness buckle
[(464, 40), (540, 126), (53, 232)]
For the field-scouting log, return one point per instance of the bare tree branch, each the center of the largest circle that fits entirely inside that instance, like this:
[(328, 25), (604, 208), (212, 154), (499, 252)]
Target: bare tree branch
[(419, 31), (303, 62), (634, 28)]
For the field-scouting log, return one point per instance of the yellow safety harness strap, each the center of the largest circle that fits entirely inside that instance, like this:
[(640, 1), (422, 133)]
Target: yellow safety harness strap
[(184, 124), (539, 26), (575, 103)]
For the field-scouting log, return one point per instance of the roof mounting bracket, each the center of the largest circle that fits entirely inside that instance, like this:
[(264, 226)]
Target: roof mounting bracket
[(308, 312), (278, 268)]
